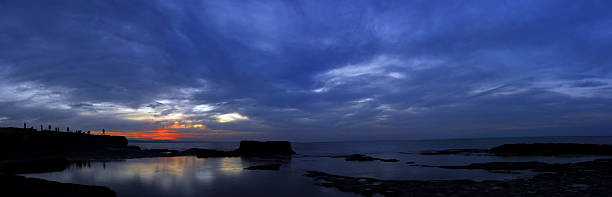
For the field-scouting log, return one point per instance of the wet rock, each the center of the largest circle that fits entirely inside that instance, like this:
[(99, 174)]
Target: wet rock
[(360, 157), (553, 149), (503, 166), (257, 148), (265, 167), (590, 178), (544, 149), (18, 186), (133, 148), (163, 151), (34, 165), (454, 151), (247, 149)]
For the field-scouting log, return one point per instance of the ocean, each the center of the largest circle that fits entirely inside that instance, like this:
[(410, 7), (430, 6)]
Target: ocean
[(190, 176)]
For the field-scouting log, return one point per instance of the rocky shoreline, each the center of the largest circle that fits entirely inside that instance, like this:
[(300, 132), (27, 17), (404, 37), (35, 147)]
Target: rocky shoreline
[(16, 186), (536, 149), (24, 151), (590, 178)]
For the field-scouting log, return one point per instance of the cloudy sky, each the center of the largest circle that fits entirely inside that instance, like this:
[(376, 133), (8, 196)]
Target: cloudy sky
[(308, 70)]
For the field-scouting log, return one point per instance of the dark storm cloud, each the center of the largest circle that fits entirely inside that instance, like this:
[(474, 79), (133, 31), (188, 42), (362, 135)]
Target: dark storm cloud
[(311, 70)]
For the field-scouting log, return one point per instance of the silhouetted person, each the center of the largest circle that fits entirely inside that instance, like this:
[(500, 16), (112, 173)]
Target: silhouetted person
[(49, 127), (88, 133), (24, 125), (103, 131), (41, 128), (67, 129)]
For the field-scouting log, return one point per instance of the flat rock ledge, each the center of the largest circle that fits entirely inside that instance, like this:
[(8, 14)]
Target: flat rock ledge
[(592, 178), (248, 149), (536, 149), (18, 186), (360, 157), (265, 167)]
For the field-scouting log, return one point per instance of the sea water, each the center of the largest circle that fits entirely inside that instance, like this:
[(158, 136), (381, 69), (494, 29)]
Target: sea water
[(191, 176)]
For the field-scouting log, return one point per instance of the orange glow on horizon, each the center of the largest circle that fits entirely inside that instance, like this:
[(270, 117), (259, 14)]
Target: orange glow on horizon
[(160, 134), (175, 131)]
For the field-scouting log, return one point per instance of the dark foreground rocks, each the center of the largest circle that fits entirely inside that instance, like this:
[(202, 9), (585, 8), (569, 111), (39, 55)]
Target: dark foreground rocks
[(553, 149), (25, 151), (247, 149), (455, 151), (18, 186), (509, 166), (22, 145), (257, 148), (34, 165), (592, 178), (265, 167), (360, 157), (537, 149)]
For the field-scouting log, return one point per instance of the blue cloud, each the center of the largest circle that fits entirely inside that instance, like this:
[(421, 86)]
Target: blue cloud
[(310, 70)]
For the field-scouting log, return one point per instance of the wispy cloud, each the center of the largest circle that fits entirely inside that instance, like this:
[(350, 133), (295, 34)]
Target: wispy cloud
[(307, 70)]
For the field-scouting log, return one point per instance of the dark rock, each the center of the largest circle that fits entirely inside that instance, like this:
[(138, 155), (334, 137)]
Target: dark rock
[(18, 186), (501, 166), (256, 148), (454, 151), (16, 142), (590, 178), (553, 149), (247, 149), (360, 157), (544, 149), (133, 147), (265, 167), (34, 165), (20, 146), (163, 151), (204, 153)]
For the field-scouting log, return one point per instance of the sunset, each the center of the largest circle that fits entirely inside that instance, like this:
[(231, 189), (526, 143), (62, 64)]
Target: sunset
[(305, 98)]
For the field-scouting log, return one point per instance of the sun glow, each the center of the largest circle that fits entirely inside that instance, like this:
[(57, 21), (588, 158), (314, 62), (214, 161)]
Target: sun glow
[(159, 134)]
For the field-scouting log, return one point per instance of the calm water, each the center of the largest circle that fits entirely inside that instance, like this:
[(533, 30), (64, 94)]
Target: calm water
[(190, 176)]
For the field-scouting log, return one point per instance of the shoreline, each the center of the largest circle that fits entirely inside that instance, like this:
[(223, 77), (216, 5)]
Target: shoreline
[(591, 178), (42, 152)]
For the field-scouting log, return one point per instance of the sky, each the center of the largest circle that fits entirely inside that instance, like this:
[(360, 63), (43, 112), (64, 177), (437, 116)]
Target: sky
[(308, 70)]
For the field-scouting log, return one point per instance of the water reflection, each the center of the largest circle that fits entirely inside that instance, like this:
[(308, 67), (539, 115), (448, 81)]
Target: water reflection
[(81, 164), (188, 176), (231, 165)]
